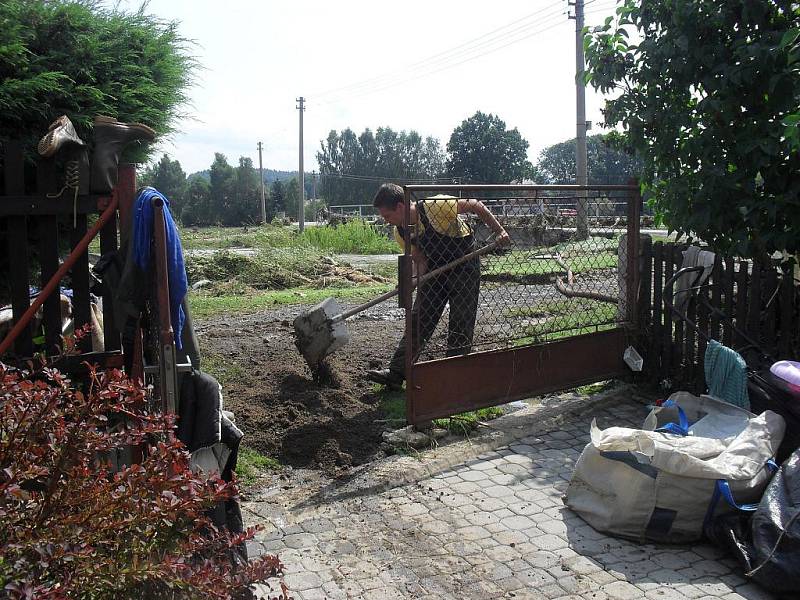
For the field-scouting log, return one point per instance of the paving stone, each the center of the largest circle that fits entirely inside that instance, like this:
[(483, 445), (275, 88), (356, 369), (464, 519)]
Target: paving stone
[(302, 581), (622, 590)]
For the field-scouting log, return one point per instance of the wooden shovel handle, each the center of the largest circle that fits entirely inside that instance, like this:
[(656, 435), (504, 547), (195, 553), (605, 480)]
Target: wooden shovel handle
[(415, 282)]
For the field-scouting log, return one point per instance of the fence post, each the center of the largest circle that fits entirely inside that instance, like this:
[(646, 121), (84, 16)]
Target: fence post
[(634, 212), (656, 345)]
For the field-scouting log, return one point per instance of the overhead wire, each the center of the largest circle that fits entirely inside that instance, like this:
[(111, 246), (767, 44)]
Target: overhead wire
[(445, 55), (447, 59), (400, 81)]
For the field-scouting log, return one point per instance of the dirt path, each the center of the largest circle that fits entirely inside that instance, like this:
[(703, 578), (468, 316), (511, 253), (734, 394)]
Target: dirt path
[(282, 412)]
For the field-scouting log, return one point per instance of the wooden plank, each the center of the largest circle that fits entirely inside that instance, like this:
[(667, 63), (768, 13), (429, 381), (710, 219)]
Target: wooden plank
[(770, 300), (108, 243), (754, 304), (730, 301), (14, 167), (17, 245), (742, 294), (704, 326), (677, 260), (39, 204), (717, 282), (48, 254), (80, 284), (666, 348), (646, 279), (786, 328), (690, 340), (656, 340)]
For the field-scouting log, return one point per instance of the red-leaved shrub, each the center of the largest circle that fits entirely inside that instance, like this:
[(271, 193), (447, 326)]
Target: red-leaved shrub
[(71, 527)]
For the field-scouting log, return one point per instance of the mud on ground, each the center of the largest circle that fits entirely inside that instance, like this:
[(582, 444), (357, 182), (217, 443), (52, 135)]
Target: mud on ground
[(283, 413)]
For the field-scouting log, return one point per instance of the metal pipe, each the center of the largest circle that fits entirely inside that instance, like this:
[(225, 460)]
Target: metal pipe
[(52, 285), (473, 187), (166, 339)]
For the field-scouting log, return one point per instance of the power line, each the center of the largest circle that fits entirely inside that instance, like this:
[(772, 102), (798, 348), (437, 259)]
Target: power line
[(370, 178), (396, 82), (498, 34)]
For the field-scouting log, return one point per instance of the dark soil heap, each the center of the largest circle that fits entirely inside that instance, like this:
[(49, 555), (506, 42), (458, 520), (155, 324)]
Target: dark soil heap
[(284, 413)]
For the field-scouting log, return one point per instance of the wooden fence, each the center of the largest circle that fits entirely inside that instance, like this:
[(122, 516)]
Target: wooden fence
[(37, 224), (760, 300)]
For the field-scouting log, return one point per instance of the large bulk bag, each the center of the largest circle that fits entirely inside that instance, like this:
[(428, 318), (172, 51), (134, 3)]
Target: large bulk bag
[(692, 459)]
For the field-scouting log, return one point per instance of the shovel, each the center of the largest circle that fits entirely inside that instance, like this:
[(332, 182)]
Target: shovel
[(320, 330)]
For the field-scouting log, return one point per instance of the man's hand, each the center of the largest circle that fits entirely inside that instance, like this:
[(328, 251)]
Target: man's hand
[(503, 239)]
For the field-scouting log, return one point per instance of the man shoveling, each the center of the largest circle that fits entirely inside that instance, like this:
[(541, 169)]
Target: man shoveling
[(440, 237)]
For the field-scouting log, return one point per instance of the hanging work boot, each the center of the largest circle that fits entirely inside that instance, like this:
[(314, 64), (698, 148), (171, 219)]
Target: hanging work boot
[(110, 139), (60, 137), (61, 133)]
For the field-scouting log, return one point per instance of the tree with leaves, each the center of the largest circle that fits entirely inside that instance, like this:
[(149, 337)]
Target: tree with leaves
[(277, 197), (352, 167), (78, 58), (607, 163), (167, 177), (708, 95), (246, 204), (482, 150), (197, 209), (221, 181)]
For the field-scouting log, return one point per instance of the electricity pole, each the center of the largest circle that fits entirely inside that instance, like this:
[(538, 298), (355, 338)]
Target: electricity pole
[(301, 217), (261, 176), (581, 168)]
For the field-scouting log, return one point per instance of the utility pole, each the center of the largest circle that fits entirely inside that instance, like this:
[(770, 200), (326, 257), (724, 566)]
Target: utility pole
[(581, 168), (261, 176), (301, 216)]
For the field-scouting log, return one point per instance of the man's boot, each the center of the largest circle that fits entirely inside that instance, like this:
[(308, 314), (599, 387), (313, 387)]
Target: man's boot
[(61, 137), (60, 134), (110, 139), (391, 379)]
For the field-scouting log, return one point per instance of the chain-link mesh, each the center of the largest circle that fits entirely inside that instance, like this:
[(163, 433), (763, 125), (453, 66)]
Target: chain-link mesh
[(560, 275)]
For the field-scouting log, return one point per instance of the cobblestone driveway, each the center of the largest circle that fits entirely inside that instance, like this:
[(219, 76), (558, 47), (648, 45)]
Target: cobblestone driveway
[(493, 526)]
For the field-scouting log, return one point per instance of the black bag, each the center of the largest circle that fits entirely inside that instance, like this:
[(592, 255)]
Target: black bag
[(768, 392), (767, 544)]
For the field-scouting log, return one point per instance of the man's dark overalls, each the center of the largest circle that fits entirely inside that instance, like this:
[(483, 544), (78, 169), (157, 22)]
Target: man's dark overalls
[(459, 286)]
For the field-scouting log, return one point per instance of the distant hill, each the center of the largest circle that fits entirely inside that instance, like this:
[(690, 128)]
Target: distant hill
[(270, 175)]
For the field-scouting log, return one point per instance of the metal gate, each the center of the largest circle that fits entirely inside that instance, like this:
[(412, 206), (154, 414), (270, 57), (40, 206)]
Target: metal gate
[(549, 311)]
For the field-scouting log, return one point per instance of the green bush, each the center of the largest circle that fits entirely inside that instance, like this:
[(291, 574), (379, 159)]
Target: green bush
[(353, 237), (78, 58)]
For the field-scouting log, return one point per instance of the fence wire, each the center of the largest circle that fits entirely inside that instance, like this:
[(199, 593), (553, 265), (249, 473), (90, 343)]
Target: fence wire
[(561, 275)]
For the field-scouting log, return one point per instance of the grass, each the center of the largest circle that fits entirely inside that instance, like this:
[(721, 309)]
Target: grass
[(523, 265), (393, 405), (463, 423), (222, 368), (251, 463), (257, 236), (353, 237), (570, 321), (203, 305), (595, 388), (270, 268)]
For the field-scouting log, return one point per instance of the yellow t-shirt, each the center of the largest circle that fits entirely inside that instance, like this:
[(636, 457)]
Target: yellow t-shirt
[(442, 212)]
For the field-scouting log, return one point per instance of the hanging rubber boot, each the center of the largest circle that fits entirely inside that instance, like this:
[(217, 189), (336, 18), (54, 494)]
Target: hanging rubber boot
[(61, 133), (110, 138)]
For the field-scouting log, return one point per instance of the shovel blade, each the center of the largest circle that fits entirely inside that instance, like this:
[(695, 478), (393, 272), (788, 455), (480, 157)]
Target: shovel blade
[(316, 336)]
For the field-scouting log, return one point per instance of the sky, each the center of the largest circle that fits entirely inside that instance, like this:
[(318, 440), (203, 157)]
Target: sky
[(424, 65)]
